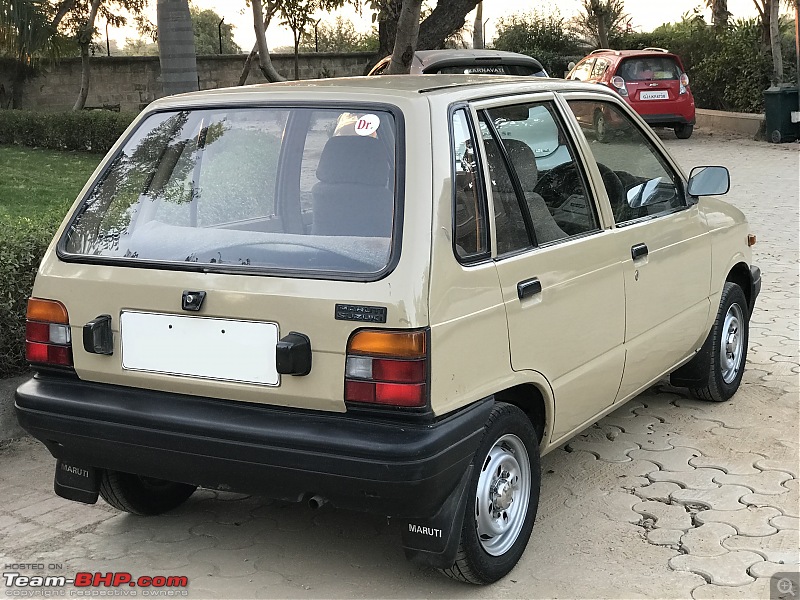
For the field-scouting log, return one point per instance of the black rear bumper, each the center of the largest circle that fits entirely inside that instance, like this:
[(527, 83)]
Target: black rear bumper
[(667, 120), (394, 468)]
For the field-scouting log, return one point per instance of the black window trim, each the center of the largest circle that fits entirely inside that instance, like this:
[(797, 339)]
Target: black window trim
[(357, 105), (486, 255)]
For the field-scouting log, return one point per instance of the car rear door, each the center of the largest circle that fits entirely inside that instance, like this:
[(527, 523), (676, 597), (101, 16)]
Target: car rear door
[(559, 271)]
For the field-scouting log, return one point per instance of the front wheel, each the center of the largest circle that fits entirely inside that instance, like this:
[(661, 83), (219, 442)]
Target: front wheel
[(141, 495), (503, 498), (729, 339)]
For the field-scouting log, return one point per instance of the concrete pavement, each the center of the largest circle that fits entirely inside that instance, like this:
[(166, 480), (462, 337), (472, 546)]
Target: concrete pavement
[(666, 497)]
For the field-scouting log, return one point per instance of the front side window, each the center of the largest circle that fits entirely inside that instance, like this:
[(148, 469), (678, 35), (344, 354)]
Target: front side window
[(273, 188), (638, 181)]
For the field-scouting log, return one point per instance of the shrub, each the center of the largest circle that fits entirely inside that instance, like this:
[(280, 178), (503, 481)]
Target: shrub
[(23, 242), (88, 130)]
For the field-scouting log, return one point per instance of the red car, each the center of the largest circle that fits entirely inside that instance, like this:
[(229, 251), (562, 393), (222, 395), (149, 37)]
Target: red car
[(653, 81)]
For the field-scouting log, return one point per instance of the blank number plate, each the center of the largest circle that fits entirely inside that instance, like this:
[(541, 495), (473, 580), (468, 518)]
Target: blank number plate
[(241, 351), (657, 95)]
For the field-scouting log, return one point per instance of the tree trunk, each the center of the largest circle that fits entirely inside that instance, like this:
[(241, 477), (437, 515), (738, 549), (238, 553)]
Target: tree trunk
[(264, 61), (602, 31), (775, 42), (719, 14), (176, 47), (447, 18), (297, 57), (387, 27), (254, 52), (85, 40), (406, 41), (477, 28)]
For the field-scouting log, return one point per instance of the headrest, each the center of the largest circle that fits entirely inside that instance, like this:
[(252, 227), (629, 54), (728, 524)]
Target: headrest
[(353, 159), (522, 159)]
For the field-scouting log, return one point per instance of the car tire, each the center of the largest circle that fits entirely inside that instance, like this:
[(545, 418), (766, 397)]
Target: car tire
[(142, 495), (503, 498), (600, 127), (684, 131), (729, 338)]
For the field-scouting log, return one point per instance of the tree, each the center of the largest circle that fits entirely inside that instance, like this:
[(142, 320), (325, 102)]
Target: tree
[(297, 15), (261, 20), (477, 28), (85, 35), (598, 20), (406, 41), (339, 36), (545, 36), (207, 25), (176, 47), (139, 47), (719, 13)]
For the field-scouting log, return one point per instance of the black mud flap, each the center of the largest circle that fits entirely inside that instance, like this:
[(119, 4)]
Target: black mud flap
[(76, 482), (434, 541), (694, 374)]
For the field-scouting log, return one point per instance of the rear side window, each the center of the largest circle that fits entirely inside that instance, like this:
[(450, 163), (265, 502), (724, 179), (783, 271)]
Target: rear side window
[(648, 68), (295, 189), (470, 230)]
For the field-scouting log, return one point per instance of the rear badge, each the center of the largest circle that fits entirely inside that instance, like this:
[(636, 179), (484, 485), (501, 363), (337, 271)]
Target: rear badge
[(192, 300), (359, 312)]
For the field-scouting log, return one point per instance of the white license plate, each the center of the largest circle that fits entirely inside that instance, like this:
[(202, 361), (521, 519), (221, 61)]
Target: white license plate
[(657, 95), (222, 349)]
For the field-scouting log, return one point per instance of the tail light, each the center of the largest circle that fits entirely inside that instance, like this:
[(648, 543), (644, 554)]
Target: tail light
[(618, 83), (47, 335), (387, 367), (684, 83)]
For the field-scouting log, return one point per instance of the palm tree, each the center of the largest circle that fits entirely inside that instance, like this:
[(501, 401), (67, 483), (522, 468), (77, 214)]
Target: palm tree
[(598, 19), (176, 47), (719, 13)]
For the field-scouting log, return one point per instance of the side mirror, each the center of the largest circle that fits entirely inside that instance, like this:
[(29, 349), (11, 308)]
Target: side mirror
[(709, 181)]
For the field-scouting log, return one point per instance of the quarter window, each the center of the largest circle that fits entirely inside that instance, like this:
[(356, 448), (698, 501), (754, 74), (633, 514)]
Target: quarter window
[(638, 181), (470, 230)]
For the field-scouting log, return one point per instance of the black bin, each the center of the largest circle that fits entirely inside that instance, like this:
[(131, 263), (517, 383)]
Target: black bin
[(779, 102)]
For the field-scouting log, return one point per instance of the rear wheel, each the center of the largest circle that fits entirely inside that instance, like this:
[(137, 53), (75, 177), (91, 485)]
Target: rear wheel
[(141, 495), (729, 338), (503, 498), (600, 127), (684, 131)]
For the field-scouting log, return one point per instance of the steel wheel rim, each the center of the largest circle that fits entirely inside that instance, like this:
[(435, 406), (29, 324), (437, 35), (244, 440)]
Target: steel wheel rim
[(731, 344), (502, 495), (600, 126)]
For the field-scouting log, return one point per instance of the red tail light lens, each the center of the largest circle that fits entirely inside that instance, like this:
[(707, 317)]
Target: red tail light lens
[(387, 367), (48, 339)]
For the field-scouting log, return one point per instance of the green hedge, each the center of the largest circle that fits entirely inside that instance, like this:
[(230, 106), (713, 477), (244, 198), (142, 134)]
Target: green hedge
[(86, 130), (23, 242)]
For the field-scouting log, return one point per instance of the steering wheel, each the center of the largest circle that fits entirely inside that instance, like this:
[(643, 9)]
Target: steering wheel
[(617, 195), (558, 184)]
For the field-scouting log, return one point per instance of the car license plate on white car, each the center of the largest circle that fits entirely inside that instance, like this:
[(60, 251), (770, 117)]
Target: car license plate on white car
[(655, 95), (222, 349)]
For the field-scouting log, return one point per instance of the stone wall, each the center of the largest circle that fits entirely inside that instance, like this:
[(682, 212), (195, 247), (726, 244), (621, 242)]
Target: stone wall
[(134, 81)]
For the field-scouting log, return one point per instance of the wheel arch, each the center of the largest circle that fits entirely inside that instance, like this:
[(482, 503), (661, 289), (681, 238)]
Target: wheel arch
[(535, 400), (740, 275)]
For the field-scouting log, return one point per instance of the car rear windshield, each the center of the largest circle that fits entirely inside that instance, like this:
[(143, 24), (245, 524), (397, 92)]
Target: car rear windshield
[(647, 68), (278, 189), (490, 70)]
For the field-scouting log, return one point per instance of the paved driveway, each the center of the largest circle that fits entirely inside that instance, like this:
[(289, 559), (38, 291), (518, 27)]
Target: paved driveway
[(666, 497)]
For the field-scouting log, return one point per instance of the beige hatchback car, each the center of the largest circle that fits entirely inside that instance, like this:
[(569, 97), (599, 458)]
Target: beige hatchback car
[(387, 293)]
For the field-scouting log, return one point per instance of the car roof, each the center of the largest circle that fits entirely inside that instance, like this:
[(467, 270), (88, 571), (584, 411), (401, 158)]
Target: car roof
[(429, 58), (381, 88)]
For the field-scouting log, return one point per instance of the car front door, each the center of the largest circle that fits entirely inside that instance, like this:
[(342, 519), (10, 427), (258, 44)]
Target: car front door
[(560, 273), (663, 240)]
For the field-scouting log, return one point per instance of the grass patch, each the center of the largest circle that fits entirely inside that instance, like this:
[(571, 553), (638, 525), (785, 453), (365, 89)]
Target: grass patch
[(34, 182)]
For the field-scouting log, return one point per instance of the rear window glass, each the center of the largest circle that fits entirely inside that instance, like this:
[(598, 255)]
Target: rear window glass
[(489, 70), (647, 68), (296, 189)]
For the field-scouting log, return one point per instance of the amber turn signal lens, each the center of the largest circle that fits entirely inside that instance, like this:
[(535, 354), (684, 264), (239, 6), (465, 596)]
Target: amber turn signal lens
[(380, 342), (48, 311), (751, 239)]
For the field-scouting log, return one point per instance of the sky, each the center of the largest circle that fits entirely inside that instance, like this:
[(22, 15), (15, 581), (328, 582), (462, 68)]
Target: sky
[(645, 14)]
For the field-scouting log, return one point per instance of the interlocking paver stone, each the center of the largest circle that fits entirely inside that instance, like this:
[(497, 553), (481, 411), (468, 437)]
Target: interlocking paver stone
[(706, 540), (647, 441), (783, 547), (659, 491), (725, 497), (784, 522), (696, 479), (788, 503), (734, 465), (666, 516), (765, 482), (618, 507), (665, 537), (633, 425), (768, 569), (729, 569), (676, 459), (606, 450), (757, 589), (746, 521)]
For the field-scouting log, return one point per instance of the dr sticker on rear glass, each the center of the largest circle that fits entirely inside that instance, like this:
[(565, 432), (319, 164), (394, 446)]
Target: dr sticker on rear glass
[(368, 124)]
